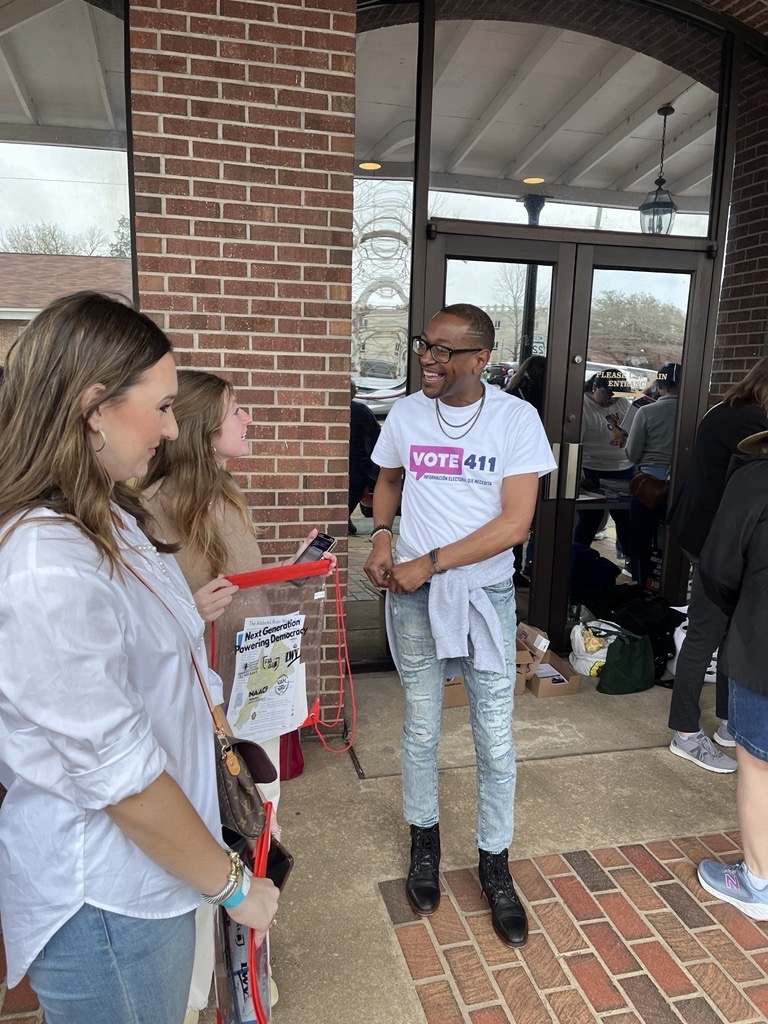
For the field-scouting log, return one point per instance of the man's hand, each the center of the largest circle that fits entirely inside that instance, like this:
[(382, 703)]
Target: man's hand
[(406, 577), (378, 567)]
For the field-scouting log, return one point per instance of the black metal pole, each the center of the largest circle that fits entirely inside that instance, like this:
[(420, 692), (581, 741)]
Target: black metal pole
[(533, 207)]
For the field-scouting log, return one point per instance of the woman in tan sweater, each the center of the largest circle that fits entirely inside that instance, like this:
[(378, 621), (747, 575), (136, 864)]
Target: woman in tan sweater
[(196, 504)]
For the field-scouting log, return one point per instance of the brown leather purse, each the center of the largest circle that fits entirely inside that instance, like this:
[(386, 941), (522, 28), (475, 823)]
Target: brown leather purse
[(240, 765), (649, 490)]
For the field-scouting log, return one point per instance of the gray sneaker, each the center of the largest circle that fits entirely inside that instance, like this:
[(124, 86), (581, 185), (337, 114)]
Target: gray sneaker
[(700, 749), (730, 883), (723, 736)]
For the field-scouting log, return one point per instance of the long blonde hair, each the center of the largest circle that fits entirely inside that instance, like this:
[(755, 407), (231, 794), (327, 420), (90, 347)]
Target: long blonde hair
[(46, 458), (750, 390), (193, 481)]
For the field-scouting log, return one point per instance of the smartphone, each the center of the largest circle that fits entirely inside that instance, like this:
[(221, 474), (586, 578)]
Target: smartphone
[(323, 542), (279, 863)]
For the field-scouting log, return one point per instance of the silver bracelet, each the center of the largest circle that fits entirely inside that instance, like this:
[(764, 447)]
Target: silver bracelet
[(380, 529), (233, 881)]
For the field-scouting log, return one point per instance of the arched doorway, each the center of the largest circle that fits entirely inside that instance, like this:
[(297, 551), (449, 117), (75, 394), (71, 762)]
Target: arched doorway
[(462, 117)]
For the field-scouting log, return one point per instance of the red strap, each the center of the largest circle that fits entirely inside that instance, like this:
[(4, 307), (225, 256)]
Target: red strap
[(259, 871), (344, 668), (280, 573)]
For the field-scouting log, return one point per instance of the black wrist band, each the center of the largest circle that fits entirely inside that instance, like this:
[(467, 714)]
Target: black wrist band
[(381, 527)]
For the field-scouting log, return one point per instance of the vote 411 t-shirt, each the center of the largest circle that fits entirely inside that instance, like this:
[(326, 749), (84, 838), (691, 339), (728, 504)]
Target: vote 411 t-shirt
[(453, 485)]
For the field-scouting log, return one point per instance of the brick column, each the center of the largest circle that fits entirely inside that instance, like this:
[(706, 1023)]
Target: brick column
[(742, 332), (243, 138)]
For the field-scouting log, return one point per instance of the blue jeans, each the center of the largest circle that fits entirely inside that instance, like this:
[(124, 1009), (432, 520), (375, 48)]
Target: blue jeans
[(102, 967), (490, 716), (748, 720)]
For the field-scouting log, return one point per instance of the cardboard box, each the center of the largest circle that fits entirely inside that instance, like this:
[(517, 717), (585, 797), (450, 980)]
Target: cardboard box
[(534, 640), (455, 695), (523, 667), (554, 677), (532, 645)]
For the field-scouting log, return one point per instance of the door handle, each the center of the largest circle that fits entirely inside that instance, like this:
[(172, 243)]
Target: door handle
[(572, 470), (551, 479)]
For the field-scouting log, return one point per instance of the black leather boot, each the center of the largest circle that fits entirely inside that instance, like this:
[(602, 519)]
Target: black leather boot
[(507, 912), (422, 886)]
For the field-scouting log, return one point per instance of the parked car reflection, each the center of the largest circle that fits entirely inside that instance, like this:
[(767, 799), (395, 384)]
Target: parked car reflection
[(378, 393)]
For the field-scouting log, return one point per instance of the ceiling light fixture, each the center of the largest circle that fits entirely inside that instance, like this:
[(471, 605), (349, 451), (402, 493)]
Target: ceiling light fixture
[(534, 181), (369, 165), (657, 212)]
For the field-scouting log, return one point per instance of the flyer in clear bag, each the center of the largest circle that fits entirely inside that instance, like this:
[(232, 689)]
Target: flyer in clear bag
[(267, 649)]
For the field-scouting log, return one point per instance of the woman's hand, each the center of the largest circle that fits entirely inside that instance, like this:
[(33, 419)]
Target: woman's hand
[(259, 907), (327, 555), (213, 598)]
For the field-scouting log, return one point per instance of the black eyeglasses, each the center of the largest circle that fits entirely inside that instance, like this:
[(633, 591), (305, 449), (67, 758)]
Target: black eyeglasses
[(440, 353)]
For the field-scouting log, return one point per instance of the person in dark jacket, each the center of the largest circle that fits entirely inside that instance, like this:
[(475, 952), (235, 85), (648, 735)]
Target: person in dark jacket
[(734, 571), (742, 412), (528, 383), (364, 432), (650, 446)]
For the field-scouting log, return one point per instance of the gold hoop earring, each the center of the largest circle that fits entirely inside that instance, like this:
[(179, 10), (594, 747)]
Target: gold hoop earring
[(103, 442)]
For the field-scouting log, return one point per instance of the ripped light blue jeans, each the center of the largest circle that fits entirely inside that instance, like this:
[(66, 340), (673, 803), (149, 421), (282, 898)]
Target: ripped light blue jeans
[(490, 716)]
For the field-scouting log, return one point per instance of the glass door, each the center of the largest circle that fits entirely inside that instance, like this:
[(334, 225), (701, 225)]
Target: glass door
[(596, 337)]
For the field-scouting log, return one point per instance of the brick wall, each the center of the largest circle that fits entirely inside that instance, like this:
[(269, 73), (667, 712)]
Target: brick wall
[(742, 332), (243, 136)]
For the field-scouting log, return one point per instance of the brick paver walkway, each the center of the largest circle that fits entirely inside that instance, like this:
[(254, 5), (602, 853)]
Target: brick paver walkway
[(620, 935)]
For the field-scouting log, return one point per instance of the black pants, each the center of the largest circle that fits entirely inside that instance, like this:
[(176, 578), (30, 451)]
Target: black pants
[(643, 525), (707, 630), (588, 521)]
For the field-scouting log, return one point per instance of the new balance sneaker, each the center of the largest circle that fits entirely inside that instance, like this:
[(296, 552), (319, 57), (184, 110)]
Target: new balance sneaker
[(729, 882), (700, 749), (722, 735)]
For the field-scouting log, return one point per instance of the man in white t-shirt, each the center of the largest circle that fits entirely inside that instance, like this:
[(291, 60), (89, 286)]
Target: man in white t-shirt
[(470, 456)]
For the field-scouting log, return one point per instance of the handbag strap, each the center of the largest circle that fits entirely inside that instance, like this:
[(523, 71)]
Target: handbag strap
[(216, 715), (617, 632)]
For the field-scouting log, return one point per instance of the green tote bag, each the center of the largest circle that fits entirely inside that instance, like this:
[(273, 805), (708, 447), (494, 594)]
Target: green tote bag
[(628, 665)]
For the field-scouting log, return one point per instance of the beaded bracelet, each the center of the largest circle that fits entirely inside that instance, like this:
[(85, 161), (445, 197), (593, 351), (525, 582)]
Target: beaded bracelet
[(381, 527)]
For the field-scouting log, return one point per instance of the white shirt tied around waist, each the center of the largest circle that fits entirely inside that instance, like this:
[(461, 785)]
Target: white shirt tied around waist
[(460, 611), (97, 698)]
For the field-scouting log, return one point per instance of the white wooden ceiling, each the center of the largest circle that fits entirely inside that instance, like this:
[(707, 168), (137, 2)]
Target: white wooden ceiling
[(61, 73), (515, 100), (511, 100)]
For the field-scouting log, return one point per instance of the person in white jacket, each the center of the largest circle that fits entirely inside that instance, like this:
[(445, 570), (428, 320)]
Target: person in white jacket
[(110, 833)]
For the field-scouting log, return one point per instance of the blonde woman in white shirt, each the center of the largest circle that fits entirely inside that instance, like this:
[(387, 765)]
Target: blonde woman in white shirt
[(109, 831)]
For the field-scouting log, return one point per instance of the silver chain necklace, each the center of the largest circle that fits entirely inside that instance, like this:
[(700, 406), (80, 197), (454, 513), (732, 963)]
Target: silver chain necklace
[(457, 426)]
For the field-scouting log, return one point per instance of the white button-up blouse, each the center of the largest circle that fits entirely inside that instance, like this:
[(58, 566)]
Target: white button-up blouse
[(97, 697)]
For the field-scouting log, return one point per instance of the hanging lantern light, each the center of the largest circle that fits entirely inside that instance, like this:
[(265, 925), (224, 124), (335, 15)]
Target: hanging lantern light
[(657, 212)]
